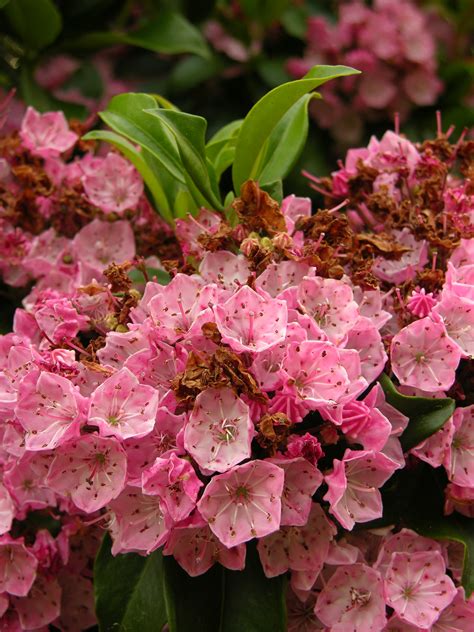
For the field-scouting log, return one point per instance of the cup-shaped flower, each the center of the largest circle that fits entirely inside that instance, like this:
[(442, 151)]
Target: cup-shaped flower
[(46, 135), (17, 566), (459, 456), (244, 503), (219, 431)]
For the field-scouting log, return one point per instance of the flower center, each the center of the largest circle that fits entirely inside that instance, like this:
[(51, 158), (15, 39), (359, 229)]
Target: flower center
[(359, 597)]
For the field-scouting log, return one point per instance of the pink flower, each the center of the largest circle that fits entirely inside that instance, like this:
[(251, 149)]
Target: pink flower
[(301, 481), (17, 567), (25, 480), (277, 278), (196, 548), (293, 208), (457, 617), (41, 606), (59, 320), (460, 499), (434, 449), (405, 541), (353, 485), (219, 431), (227, 270), (122, 407), (306, 446), (114, 185), (417, 587), (352, 600), (50, 409), (46, 134), (248, 321), (244, 503), (365, 338), (331, 304), (404, 269), (7, 510), (457, 314), (423, 356), (420, 303), (99, 244), (459, 458), (91, 470), (314, 369), (175, 482), (303, 548), (138, 522)]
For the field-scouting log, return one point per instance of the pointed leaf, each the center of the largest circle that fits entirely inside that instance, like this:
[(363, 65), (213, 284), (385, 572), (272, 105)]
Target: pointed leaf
[(426, 415), (36, 22), (128, 591), (267, 113)]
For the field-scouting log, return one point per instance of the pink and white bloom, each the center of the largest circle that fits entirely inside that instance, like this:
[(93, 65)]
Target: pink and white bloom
[(176, 484), (122, 407), (401, 270), (17, 567), (59, 320), (354, 483), (46, 135), (405, 541), (417, 587), (331, 303), (352, 600), (7, 510), (424, 356), (459, 457), (244, 503), (100, 243), (228, 271), (91, 471), (219, 431), (457, 617), (457, 314), (248, 321), (114, 185), (50, 409)]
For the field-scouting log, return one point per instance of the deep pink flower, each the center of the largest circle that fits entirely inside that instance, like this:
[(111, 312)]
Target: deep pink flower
[(176, 484), (46, 134), (423, 356), (50, 409), (248, 321), (122, 407), (59, 320), (353, 484), (417, 587), (114, 185), (306, 446), (17, 566), (244, 503), (91, 470), (352, 600), (219, 431)]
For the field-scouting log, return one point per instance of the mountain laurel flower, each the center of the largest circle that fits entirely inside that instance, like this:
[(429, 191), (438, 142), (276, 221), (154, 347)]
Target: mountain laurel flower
[(17, 566), (46, 135)]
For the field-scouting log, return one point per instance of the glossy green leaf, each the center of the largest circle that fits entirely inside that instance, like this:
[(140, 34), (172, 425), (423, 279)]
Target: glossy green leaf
[(128, 591), (426, 415), (220, 150), (36, 22), (126, 115), (189, 132), (154, 274), (223, 600), (267, 113), (286, 142), (136, 158)]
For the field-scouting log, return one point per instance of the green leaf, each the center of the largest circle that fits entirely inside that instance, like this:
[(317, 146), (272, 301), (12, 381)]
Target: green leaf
[(125, 114), (286, 142), (223, 600), (220, 150), (161, 276), (189, 132), (3, 3), (128, 591), (426, 415), (136, 158), (267, 113), (192, 71), (36, 22)]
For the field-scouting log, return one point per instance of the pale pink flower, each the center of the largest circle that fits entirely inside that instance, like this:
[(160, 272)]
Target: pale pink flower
[(46, 134), (352, 600), (460, 281), (7, 510), (17, 566), (41, 606), (59, 320), (227, 270), (277, 278), (294, 208), (457, 617), (119, 346), (219, 431), (91, 470), (196, 548), (405, 541), (25, 480), (303, 548), (459, 457), (301, 481), (50, 409), (176, 484), (457, 314), (331, 303), (100, 243), (122, 407), (423, 356), (189, 230), (417, 587), (404, 269), (114, 185), (353, 484), (244, 503), (434, 449), (314, 369), (248, 321), (366, 339), (138, 522)]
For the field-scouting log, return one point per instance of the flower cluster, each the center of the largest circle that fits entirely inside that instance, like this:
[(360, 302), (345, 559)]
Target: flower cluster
[(393, 47), (240, 401)]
